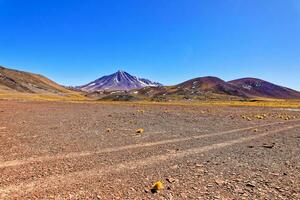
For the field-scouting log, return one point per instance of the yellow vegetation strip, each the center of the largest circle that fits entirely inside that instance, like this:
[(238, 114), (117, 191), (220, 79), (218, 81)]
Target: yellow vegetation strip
[(128, 147), (58, 181)]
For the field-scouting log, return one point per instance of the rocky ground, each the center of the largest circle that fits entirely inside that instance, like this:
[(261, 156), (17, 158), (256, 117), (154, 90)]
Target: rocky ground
[(57, 150)]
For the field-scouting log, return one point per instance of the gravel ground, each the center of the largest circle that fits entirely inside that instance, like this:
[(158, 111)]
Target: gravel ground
[(60, 150)]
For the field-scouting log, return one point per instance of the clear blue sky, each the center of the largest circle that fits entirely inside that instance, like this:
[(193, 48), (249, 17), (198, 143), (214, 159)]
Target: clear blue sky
[(76, 41)]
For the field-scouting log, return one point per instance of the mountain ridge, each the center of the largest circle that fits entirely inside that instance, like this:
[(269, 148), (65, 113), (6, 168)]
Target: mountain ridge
[(258, 87), (122, 83), (119, 80), (214, 88)]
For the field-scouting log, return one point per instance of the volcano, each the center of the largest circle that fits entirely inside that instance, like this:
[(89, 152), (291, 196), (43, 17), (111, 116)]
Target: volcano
[(120, 80)]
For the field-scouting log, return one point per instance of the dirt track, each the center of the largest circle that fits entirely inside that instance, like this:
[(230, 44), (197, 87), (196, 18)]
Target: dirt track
[(61, 150)]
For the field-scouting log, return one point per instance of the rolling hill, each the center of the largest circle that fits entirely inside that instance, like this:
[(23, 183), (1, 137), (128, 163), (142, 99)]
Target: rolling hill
[(253, 87), (209, 88), (15, 82)]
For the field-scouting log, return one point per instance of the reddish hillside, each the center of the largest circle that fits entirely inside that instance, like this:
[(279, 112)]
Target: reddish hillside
[(210, 84), (253, 87)]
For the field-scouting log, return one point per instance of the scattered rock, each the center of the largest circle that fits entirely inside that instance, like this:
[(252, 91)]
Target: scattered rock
[(198, 165), (171, 180), (274, 174), (175, 167), (252, 185), (239, 191), (268, 146), (219, 182)]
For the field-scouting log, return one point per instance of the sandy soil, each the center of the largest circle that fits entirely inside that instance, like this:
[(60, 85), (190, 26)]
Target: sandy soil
[(56, 150)]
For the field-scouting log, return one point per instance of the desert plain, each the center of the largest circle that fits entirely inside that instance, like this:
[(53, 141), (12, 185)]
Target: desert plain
[(72, 150)]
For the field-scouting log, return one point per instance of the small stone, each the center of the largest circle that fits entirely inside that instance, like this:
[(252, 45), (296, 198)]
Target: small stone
[(219, 182), (250, 185), (268, 146), (199, 165), (174, 167), (171, 180), (239, 191)]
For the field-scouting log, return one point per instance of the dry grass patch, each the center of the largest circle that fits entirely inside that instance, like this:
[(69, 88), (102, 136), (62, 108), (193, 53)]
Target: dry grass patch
[(157, 187), (140, 130)]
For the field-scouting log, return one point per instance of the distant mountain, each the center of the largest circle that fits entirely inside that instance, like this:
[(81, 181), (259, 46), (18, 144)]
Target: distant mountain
[(123, 86), (202, 88), (210, 84), (118, 81), (25, 82), (253, 87), (213, 88)]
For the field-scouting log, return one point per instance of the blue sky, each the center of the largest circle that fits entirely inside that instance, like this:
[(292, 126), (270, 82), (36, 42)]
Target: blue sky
[(76, 41)]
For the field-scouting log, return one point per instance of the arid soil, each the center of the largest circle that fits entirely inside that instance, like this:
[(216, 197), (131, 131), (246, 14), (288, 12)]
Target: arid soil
[(57, 150)]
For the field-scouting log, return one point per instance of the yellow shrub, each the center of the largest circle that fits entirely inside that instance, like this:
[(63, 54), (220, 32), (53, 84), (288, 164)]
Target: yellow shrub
[(140, 130), (157, 186)]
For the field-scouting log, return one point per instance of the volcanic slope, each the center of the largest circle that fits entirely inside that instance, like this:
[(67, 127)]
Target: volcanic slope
[(15, 82), (118, 81)]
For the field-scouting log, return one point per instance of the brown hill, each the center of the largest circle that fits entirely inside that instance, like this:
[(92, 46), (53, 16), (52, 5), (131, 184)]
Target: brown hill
[(209, 84), (253, 87), (14, 80), (213, 88), (19, 82), (203, 88)]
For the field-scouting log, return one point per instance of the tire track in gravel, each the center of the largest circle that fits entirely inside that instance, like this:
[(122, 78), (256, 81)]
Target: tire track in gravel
[(58, 181), (13, 163)]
